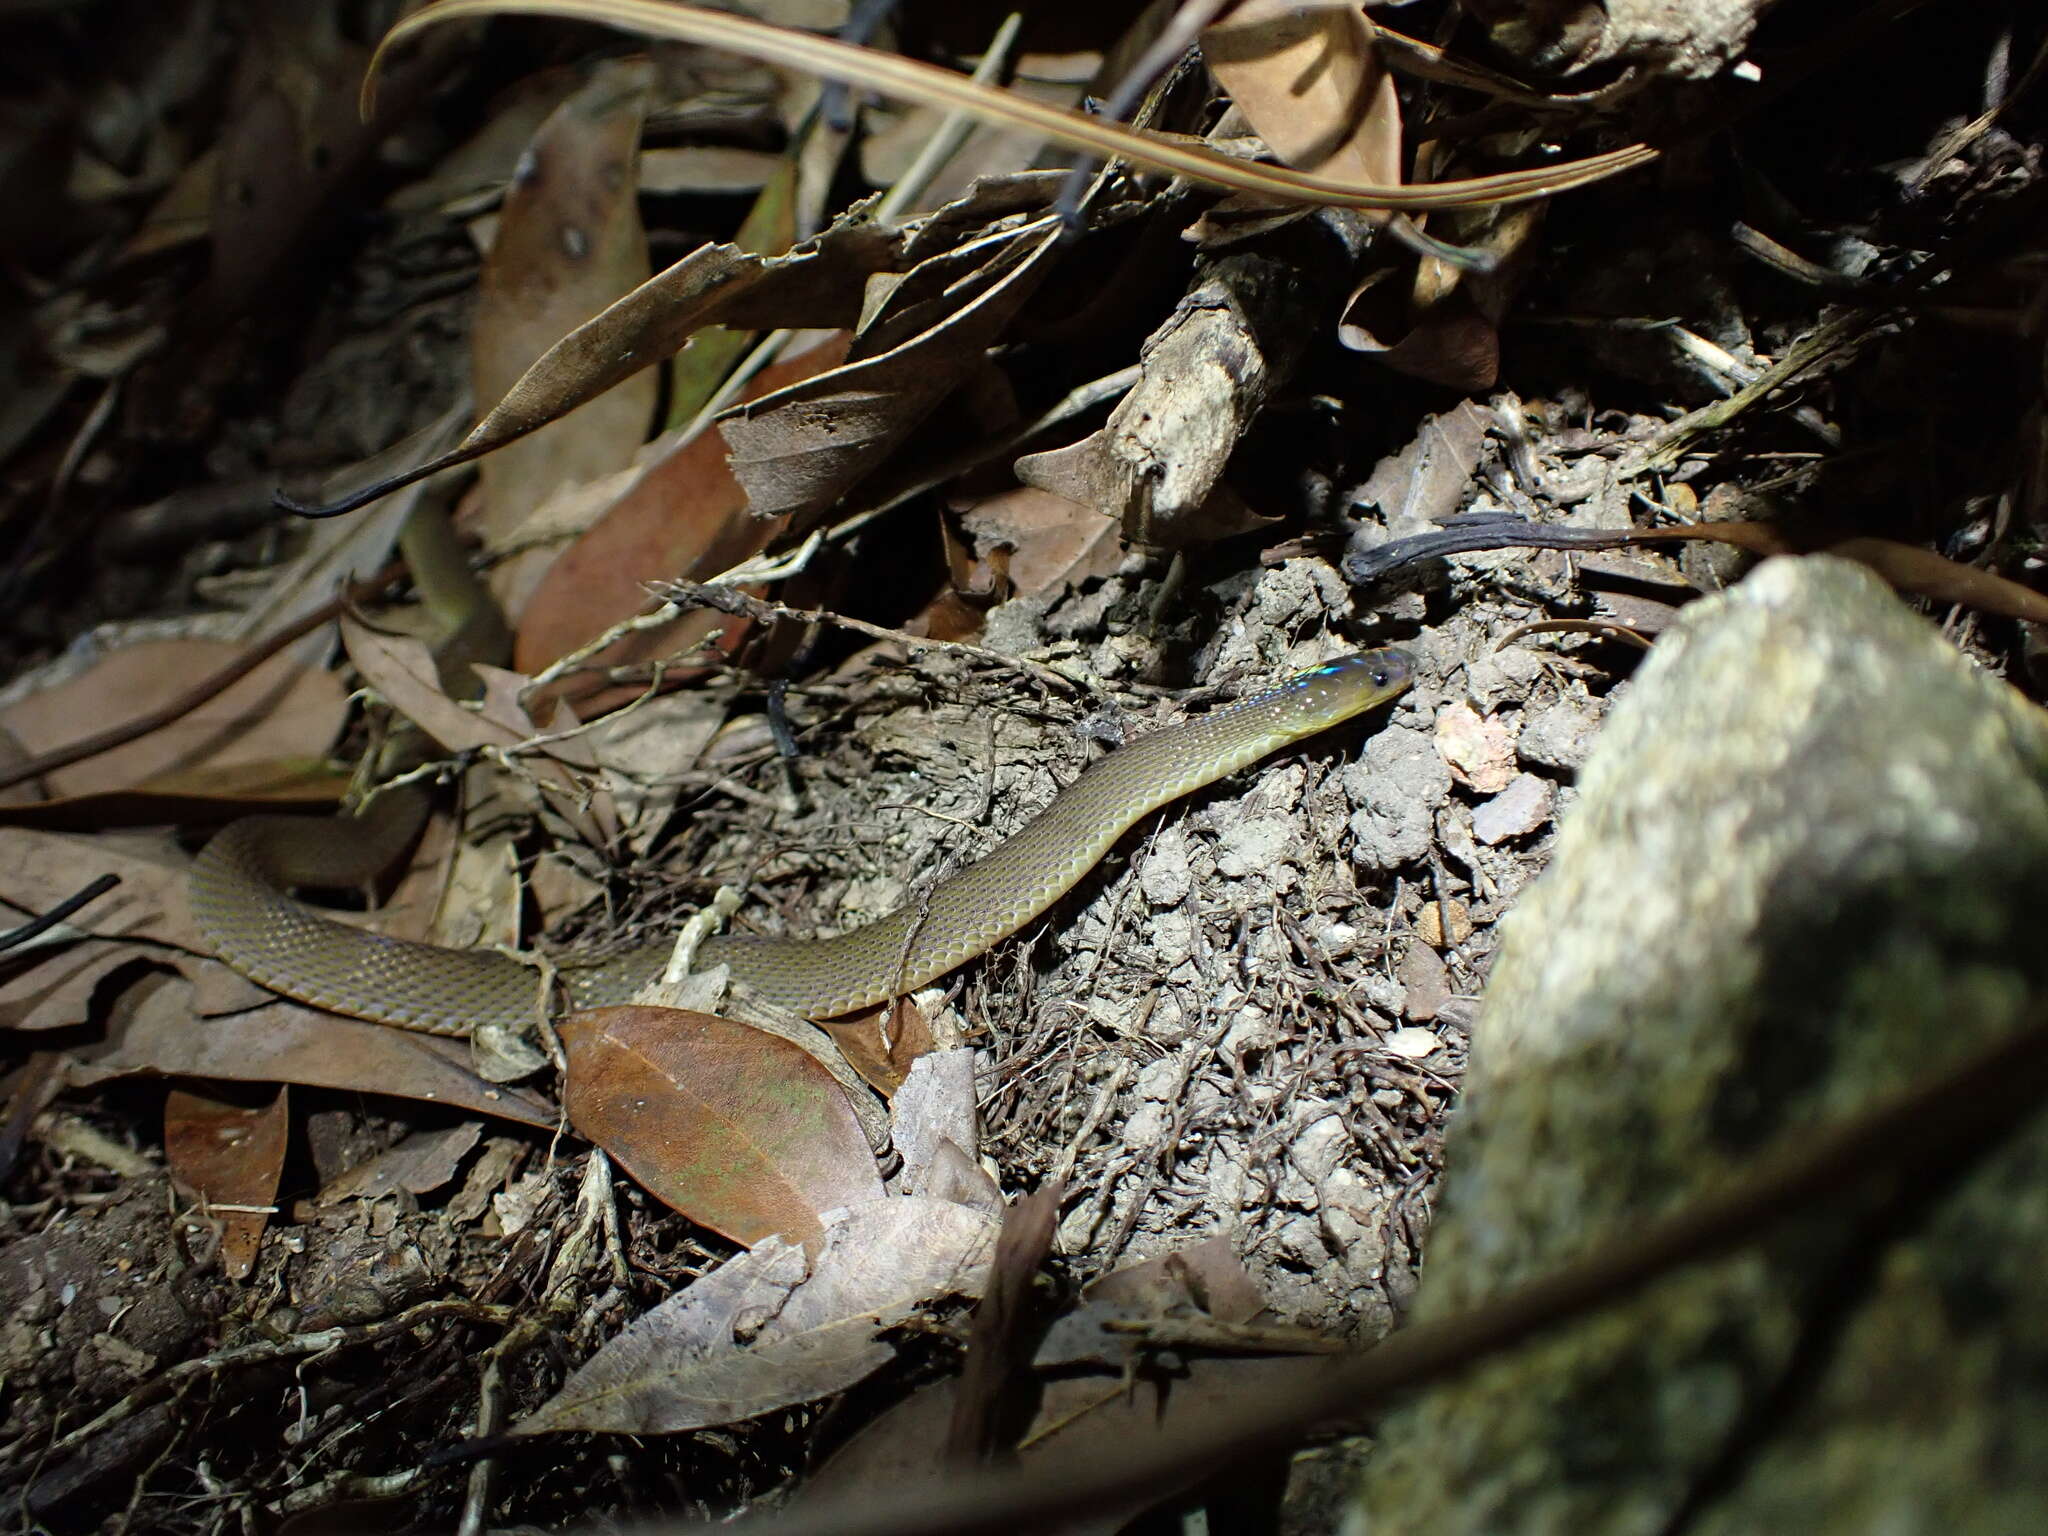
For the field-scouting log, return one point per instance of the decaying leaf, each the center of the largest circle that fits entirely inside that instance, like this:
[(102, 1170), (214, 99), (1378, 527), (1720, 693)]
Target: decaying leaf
[(769, 1329), (732, 1126), (229, 1151)]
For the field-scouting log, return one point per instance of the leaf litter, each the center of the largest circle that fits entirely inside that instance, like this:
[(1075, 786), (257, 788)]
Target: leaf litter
[(946, 494)]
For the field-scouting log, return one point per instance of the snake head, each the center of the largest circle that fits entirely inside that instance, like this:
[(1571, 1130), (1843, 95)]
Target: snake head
[(1350, 685)]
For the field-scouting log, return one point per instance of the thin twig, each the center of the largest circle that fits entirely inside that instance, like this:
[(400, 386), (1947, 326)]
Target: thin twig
[(268, 1351), (698, 594), (52, 917)]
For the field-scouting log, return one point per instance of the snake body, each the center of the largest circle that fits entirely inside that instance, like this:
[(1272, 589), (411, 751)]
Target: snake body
[(241, 882)]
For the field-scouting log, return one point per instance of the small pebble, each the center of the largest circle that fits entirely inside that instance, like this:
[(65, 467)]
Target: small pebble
[(1516, 811), (1411, 1044), (1479, 748)]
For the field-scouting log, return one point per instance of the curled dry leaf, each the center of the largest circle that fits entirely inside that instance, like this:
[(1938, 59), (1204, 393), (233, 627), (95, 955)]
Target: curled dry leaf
[(819, 285), (768, 1329), (730, 1125), (883, 1043), (1310, 82), (799, 450)]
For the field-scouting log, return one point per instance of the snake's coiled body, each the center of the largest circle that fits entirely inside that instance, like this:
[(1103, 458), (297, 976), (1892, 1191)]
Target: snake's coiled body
[(241, 881)]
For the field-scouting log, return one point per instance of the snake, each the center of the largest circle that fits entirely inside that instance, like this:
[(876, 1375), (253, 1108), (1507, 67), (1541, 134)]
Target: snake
[(241, 886)]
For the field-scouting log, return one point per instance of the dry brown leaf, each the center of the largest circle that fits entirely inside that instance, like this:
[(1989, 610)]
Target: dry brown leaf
[(820, 285), (734, 1127), (229, 1151), (685, 516), (283, 709), (402, 670), (38, 870), (156, 1032), (420, 1164), (882, 1044), (569, 245), (58, 990), (1442, 323), (205, 794), (767, 1329), (1426, 480), (1055, 543), (799, 450), (1311, 83), (1453, 344)]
